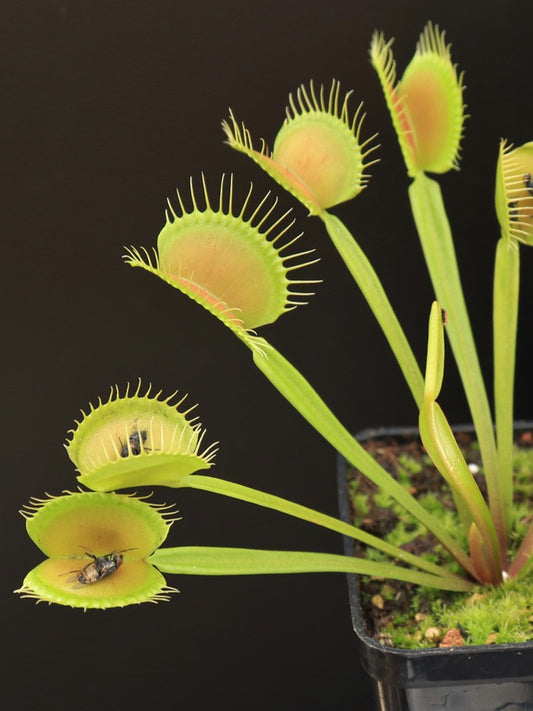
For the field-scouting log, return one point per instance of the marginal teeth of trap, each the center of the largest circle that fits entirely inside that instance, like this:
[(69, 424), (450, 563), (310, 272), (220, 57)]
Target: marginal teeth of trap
[(514, 192), (318, 153), (233, 262), (430, 87), (228, 260), (123, 441)]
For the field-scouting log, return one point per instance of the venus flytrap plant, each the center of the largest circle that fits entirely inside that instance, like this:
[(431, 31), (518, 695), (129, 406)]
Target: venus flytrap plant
[(426, 105), (197, 250), (237, 264), (318, 154), (166, 460), (444, 452), (196, 560), (115, 540), (70, 528), (137, 440), (188, 257), (320, 158), (428, 114), (514, 208)]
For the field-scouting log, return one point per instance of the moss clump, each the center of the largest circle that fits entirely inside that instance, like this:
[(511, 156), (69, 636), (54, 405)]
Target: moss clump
[(408, 616), (494, 616)]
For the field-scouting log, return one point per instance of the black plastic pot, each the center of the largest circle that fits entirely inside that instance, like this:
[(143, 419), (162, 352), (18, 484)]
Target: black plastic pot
[(480, 678)]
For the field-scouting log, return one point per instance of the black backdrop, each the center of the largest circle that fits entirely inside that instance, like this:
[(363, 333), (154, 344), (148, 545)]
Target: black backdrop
[(107, 107)]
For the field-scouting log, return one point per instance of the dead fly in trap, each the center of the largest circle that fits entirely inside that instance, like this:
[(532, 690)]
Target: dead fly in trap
[(100, 567), (134, 444)]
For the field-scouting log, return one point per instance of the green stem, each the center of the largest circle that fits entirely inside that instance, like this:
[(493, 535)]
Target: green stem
[(197, 560), (506, 289), (371, 288), (295, 388), (437, 244), (260, 498), (445, 454)]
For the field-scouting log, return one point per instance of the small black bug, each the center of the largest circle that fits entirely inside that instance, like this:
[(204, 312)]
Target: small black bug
[(135, 444), (528, 182)]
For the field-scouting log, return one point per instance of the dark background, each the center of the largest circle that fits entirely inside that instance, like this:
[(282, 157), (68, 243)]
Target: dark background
[(107, 107)]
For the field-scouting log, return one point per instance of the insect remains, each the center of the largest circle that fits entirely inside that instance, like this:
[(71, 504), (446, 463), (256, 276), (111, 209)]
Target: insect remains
[(135, 444), (100, 566)]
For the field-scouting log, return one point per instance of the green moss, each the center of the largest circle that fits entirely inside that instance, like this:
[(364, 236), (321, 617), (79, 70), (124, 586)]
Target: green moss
[(495, 616), (489, 616), (409, 465), (361, 503)]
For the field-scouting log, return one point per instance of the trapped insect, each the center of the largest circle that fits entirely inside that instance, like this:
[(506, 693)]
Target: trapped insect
[(135, 444), (100, 566)]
